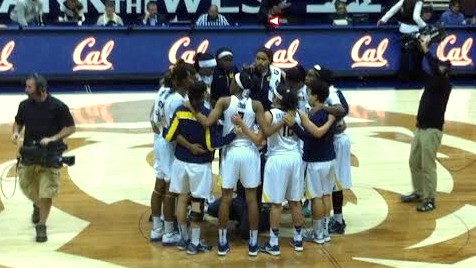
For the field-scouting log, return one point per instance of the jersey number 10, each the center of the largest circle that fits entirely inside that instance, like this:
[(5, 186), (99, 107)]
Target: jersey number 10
[(287, 131)]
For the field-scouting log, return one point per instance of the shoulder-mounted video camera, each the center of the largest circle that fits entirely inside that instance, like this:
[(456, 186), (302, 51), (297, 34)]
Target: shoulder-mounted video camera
[(50, 156), (433, 33)]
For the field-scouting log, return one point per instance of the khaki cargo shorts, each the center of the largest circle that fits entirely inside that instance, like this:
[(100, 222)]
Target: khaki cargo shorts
[(34, 177)]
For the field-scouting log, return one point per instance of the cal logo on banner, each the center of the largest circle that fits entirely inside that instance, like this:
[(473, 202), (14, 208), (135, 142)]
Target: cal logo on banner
[(5, 52), (93, 59)]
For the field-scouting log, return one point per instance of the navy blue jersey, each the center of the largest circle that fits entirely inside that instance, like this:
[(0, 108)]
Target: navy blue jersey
[(221, 82), (185, 123), (317, 149)]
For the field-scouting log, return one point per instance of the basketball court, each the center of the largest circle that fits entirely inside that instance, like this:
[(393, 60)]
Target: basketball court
[(101, 216)]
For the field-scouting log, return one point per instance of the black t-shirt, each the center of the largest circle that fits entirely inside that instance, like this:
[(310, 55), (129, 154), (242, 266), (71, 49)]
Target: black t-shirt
[(43, 119), (432, 108)]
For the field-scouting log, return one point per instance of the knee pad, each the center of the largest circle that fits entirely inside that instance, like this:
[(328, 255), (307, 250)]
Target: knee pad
[(195, 215)]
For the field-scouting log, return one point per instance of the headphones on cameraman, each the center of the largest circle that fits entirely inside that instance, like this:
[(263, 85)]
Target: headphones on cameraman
[(40, 81)]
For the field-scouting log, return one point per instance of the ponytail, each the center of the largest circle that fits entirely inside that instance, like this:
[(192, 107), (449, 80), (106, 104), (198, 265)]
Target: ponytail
[(196, 94)]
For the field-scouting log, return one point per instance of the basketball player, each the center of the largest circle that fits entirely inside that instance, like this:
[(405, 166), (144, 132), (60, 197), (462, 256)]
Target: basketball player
[(336, 104), (183, 76), (205, 66), (241, 157), (157, 121), (265, 77), (223, 75), (283, 174), (319, 154), (295, 78), (191, 173)]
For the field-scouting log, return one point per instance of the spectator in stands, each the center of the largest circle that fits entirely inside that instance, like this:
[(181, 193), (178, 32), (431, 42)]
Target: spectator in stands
[(340, 17), (410, 68), (473, 19), (152, 17), (212, 18), (27, 12), (110, 18), (427, 15), (271, 8), (452, 16), (223, 75), (72, 11)]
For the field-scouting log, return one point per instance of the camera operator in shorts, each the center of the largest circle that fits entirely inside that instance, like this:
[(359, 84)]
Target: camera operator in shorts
[(46, 121)]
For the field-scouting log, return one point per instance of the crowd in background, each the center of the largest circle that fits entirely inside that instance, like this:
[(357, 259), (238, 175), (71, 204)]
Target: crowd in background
[(30, 12)]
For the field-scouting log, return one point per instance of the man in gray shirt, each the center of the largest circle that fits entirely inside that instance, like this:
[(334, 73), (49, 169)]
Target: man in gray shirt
[(27, 12)]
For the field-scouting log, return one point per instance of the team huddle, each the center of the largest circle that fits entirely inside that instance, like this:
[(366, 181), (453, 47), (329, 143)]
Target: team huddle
[(282, 132)]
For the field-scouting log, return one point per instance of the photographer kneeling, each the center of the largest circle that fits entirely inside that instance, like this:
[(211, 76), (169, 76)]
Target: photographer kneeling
[(47, 121)]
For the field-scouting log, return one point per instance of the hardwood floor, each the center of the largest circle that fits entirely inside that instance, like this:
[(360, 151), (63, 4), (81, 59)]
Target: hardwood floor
[(100, 218)]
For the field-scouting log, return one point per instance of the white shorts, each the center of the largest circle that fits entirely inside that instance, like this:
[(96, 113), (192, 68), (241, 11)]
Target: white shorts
[(159, 173), (191, 178), (319, 179), (166, 151), (240, 163), (342, 162), (283, 179)]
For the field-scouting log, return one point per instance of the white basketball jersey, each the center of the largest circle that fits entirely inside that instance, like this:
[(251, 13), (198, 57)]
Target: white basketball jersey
[(172, 102), (283, 141), (303, 99), (244, 108), (334, 99), (158, 115), (274, 80)]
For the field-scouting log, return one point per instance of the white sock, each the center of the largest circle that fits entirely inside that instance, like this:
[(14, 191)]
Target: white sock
[(196, 236), (156, 222), (184, 231), (274, 237), (317, 224), (297, 236), (325, 225), (222, 236), (338, 217), (253, 237), (169, 227)]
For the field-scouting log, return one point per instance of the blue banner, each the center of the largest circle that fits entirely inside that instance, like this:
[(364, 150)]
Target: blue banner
[(359, 51)]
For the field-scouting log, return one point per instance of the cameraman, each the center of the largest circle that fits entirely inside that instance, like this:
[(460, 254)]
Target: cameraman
[(410, 23), (428, 134), (47, 120)]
